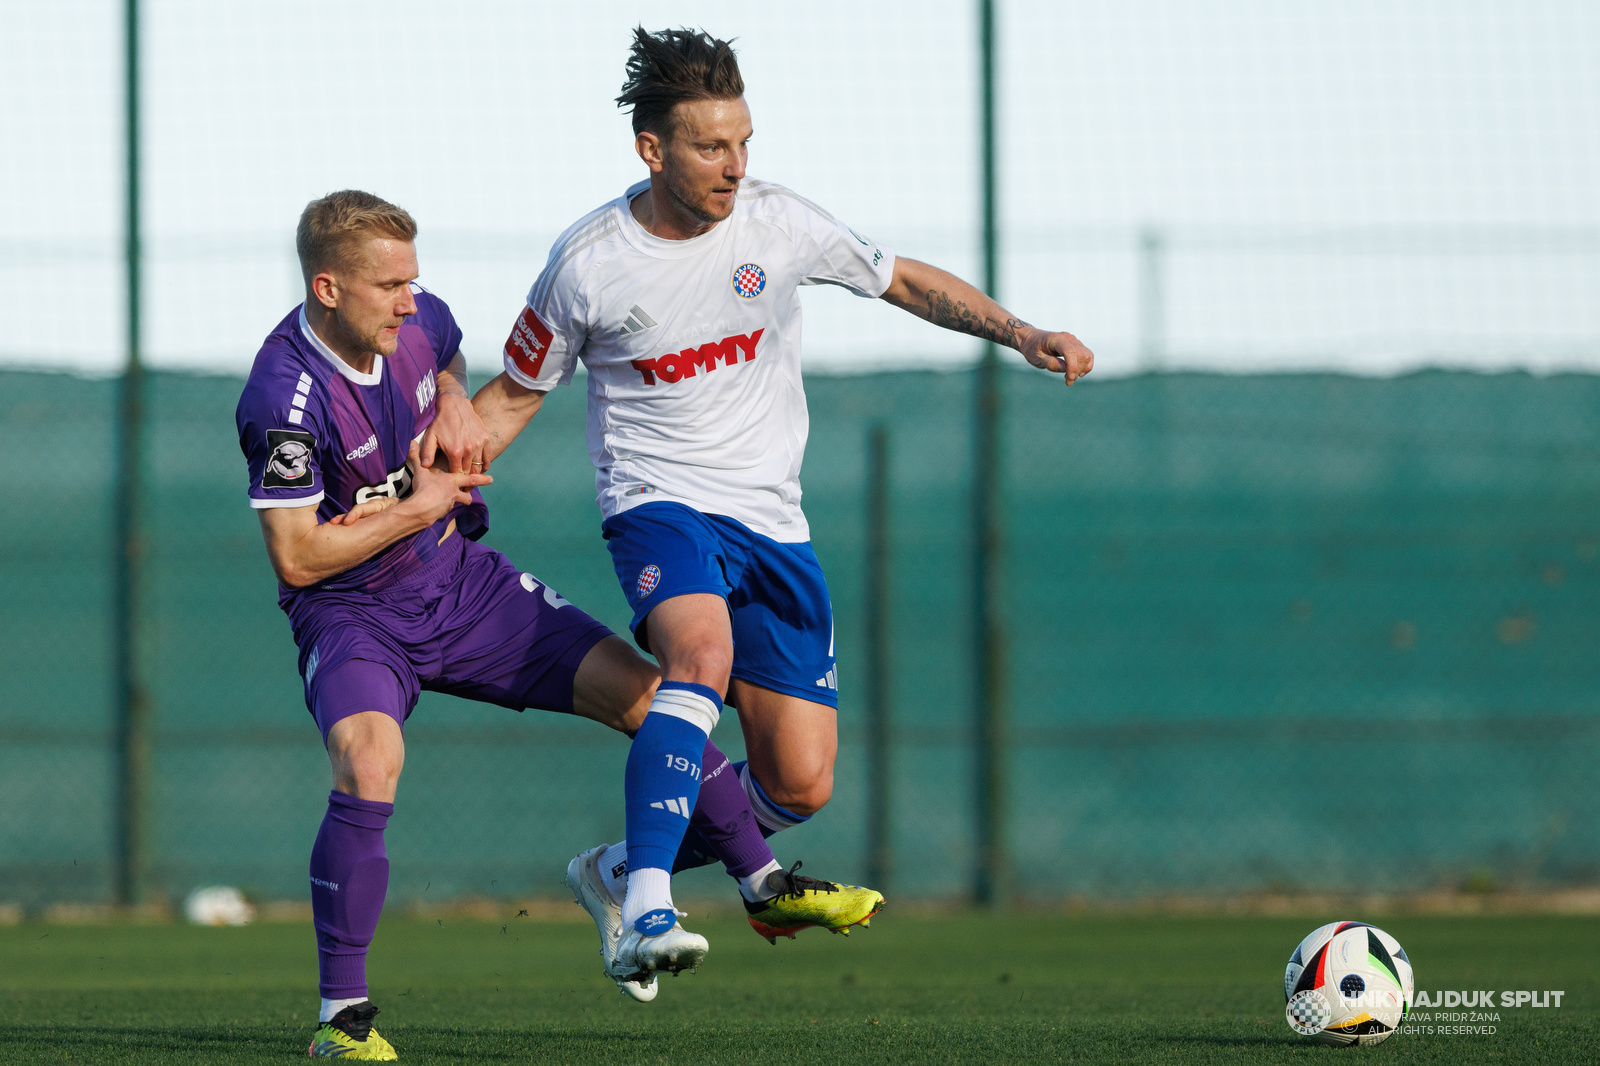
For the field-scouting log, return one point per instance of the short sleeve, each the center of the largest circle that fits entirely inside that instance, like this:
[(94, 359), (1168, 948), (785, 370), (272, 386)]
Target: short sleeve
[(279, 425), (547, 336), (831, 253), (438, 324)]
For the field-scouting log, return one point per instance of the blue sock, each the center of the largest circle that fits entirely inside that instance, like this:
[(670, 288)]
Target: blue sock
[(662, 782)]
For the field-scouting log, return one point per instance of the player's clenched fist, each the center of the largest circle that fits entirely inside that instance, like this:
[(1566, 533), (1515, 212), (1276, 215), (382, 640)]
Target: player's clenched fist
[(1059, 353), (434, 492), (456, 434)]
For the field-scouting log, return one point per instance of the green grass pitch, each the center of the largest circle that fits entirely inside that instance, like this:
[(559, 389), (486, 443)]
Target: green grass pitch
[(912, 989)]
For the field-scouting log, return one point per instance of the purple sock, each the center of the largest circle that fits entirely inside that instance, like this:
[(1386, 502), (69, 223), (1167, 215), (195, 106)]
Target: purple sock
[(349, 877), (722, 826)]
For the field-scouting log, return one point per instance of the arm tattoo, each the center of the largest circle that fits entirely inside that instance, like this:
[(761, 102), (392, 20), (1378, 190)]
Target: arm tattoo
[(956, 315)]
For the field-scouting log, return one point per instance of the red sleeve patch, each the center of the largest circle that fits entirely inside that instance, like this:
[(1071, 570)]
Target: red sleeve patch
[(529, 342)]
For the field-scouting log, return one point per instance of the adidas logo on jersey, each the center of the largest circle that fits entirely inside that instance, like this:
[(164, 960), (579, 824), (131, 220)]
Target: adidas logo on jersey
[(637, 320), (675, 366)]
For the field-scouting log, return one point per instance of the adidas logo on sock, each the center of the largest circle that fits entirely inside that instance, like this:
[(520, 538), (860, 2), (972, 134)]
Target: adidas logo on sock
[(656, 922), (676, 806)]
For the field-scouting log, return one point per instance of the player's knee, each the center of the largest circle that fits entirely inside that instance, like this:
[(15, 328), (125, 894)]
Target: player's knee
[(368, 771), (804, 794), (709, 663), (370, 776)]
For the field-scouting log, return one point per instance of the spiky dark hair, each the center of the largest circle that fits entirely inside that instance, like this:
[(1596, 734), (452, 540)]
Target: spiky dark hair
[(671, 66)]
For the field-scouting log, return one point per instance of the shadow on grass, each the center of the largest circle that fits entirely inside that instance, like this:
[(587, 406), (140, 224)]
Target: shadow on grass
[(1261, 1041), (144, 1037), (87, 1040)]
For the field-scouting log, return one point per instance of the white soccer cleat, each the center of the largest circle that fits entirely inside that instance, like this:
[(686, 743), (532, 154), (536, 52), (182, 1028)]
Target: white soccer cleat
[(674, 951), (589, 889)]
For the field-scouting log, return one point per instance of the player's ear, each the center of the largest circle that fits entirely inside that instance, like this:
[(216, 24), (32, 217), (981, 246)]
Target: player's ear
[(649, 146), (326, 290)]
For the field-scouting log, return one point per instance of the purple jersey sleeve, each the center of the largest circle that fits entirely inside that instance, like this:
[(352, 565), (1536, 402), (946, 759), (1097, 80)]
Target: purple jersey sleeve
[(434, 318), (280, 425)]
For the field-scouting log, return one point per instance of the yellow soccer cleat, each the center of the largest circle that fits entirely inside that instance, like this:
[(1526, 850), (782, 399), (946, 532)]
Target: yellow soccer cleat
[(804, 902), (350, 1035)]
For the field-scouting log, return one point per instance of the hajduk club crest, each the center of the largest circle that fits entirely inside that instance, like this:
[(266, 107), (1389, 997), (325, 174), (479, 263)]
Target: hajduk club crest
[(749, 280), (649, 578)]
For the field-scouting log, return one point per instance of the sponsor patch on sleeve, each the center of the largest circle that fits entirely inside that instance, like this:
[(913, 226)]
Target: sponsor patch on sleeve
[(529, 342), (288, 459)]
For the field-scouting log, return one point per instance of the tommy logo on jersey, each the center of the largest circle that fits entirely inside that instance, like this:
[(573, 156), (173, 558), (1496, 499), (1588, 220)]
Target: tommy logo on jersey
[(289, 461), (675, 366), (748, 280), (529, 342)]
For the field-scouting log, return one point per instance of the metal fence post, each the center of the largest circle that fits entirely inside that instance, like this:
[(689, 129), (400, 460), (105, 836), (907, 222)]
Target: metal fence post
[(132, 715), (880, 854), (991, 876)]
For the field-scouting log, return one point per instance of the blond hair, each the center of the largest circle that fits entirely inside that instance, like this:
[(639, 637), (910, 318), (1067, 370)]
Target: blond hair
[(332, 229)]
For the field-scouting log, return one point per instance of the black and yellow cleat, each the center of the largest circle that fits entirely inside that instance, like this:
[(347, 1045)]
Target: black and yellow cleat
[(804, 902), (350, 1035)]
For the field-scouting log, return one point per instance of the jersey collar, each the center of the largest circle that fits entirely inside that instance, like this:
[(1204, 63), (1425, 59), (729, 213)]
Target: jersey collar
[(339, 364), (659, 247)]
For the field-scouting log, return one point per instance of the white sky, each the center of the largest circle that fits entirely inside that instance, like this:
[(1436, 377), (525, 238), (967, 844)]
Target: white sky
[(1366, 185)]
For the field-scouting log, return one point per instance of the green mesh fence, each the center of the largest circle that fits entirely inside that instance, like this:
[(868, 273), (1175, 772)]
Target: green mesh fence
[(1288, 631)]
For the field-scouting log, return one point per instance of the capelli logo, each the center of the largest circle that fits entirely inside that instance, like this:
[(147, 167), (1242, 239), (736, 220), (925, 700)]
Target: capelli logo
[(364, 450)]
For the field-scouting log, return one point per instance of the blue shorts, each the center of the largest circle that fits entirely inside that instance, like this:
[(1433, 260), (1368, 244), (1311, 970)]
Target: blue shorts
[(782, 620), (468, 623)]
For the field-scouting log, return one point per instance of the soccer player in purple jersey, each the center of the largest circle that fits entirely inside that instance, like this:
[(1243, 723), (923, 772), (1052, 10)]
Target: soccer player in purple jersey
[(389, 593)]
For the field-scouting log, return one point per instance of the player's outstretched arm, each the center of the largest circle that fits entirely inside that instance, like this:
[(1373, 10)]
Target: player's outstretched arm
[(945, 300), (304, 551), (456, 430), (506, 408)]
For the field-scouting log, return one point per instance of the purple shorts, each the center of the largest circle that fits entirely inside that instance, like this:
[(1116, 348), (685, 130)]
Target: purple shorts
[(469, 623)]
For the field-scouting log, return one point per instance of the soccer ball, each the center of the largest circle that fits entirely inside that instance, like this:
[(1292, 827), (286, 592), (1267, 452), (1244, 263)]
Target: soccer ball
[(1348, 983), (218, 905)]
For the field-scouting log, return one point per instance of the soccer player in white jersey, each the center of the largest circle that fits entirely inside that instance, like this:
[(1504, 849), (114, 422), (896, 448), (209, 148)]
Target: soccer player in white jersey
[(681, 298)]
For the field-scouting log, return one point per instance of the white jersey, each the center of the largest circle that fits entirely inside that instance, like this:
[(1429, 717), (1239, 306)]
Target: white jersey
[(693, 349)]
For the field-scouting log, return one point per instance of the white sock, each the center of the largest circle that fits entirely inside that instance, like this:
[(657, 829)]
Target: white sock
[(769, 814), (614, 871), (649, 890), (330, 1007), (753, 887)]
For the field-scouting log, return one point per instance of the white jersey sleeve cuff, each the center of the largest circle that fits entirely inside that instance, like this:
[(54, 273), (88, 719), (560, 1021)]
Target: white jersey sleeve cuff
[(298, 501), (515, 374), (887, 273)]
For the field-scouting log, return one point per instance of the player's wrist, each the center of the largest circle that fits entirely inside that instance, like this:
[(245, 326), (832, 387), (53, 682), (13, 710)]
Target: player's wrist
[(417, 513), (1030, 339)]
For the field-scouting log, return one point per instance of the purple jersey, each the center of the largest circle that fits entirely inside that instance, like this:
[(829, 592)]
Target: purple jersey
[(316, 431)]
